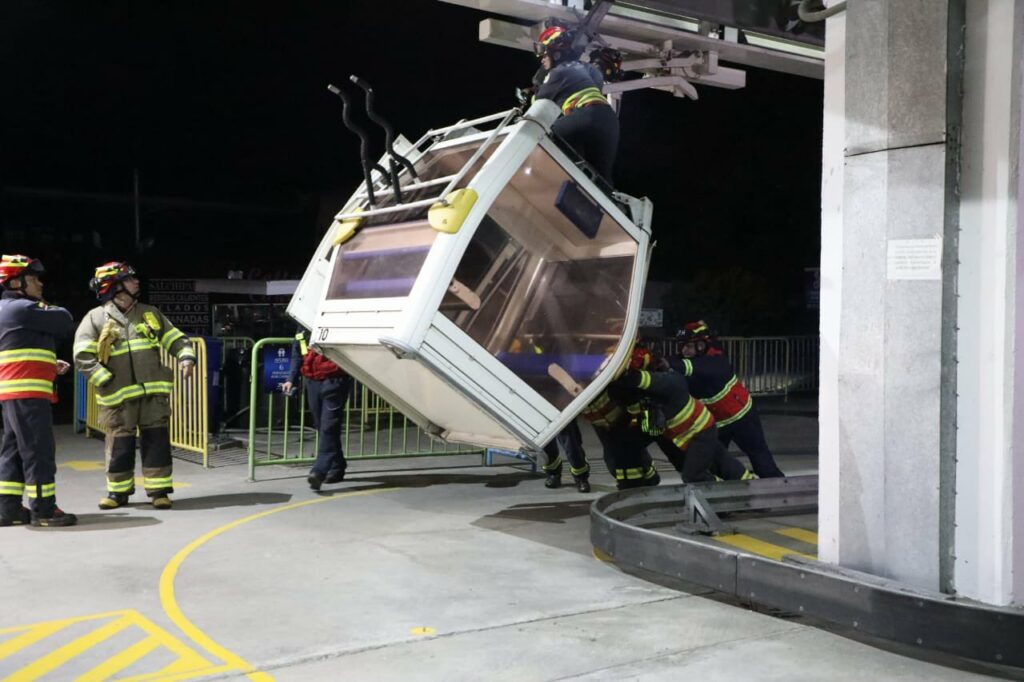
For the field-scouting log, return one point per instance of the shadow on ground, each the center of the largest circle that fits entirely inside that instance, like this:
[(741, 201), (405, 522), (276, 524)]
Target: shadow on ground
[(229, 500), (108, 521), (509, 480)]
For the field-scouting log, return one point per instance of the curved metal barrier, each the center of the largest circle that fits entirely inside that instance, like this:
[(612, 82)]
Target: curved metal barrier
[(371, 428), (652, 531)]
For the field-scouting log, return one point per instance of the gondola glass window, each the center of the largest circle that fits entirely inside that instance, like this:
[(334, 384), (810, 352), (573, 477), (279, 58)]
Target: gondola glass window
[(545, 282)]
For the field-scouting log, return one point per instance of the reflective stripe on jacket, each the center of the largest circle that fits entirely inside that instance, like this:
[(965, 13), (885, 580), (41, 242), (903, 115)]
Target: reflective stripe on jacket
[(713, 380), (29, 332), (134, 367)]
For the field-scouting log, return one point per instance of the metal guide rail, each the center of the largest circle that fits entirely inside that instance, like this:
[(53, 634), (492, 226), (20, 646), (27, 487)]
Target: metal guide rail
[(681, 532)]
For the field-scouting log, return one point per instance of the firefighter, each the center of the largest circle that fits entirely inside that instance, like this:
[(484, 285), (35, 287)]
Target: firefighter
[(117, 348), (570, 440), (664, 411), (327, 390), (712, 379), (30, 330), (588, 123)]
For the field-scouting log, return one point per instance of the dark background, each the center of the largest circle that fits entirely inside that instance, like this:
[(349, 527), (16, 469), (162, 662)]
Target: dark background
[(221, 107)]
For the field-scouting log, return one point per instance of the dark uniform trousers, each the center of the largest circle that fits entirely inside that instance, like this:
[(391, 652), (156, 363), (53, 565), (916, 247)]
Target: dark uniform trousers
[(28, 457), (149, 416), (593, 132), (626, 456), (327, 403), (747, 433), (570, 440), (704, 459)]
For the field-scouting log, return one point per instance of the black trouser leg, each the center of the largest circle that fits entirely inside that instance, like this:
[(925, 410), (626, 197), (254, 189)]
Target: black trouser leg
[(701, 452), (157, 465), (12, 475), (631, 465), (31, 422), (748, 434), (593, 132), (571, 441), (327, 402)]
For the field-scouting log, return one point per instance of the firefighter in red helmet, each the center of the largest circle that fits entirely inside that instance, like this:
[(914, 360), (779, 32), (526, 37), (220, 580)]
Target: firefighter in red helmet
[(117, 348), (30, 330), (588, 123), (713, 380)]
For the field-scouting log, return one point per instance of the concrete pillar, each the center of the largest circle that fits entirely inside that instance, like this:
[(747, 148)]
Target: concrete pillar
[(888, 446), (989, 543)]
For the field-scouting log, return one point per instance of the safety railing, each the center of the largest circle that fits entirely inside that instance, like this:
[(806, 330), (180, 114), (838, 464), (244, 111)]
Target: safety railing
[(767, 365), (371, 428), (189, 423)]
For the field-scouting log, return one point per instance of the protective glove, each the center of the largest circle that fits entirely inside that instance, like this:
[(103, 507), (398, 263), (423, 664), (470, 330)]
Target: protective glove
[(109, 335)]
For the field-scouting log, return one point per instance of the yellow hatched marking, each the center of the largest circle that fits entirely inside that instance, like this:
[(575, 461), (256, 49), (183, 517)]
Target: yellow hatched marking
[(188, 664), (801, 534), (54, 660), (423, 631), (119, 662), (760, 547)]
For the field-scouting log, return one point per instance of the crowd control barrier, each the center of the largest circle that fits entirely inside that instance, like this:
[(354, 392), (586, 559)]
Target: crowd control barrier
[(767, 365), (281, 431), (189, 424)]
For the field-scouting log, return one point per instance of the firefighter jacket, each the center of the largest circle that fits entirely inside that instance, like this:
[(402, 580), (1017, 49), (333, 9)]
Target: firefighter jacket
[(685, 417), (310, 363), (572, 85), (712, 379), (119, 352), (29, 333)]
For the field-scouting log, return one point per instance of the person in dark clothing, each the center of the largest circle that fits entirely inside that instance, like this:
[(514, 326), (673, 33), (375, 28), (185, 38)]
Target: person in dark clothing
[(665, 411), (327, 390), (30, 330), (712, 379), (588, 123), (570, 440)]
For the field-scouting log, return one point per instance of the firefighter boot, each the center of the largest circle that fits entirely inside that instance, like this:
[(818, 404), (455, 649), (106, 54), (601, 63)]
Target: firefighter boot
[(58, 520), (554, 479), (115, 500), (19, 518), (161, 502), (582, 483)]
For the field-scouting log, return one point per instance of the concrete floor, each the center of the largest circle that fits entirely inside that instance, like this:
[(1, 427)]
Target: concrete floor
[(429, 569)]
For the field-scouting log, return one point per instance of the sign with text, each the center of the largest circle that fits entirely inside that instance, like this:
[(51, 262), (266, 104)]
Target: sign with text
[(914, 259), (277, 364), (179, 301)]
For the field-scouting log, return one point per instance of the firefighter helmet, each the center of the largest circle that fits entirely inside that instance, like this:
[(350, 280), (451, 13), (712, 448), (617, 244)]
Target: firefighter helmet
[(15, 267), (608, 61), (556, 42), (106, 282), (698, 333)]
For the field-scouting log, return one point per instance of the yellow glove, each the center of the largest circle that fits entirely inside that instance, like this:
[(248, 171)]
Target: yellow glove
[(108, 337)]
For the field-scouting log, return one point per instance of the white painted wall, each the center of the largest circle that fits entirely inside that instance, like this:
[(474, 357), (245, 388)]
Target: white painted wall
[(990, 375), (833, 163)]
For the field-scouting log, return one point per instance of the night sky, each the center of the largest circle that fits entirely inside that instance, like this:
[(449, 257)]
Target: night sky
[(222, 107)]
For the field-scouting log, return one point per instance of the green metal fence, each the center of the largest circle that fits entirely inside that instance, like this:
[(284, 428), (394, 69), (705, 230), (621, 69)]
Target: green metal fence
[(281, 433)]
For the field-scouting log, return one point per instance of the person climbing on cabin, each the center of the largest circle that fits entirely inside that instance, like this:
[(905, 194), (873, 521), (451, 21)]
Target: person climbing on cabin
[(588, 123)]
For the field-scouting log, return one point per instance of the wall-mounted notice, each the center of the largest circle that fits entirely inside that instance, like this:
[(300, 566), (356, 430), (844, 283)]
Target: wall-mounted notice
[(914, 259)]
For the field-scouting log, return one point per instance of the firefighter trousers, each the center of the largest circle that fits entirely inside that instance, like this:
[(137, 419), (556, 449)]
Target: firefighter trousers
[(703, 459), (28, 458), (748, 435), (627, 458), (593, 133), (148, 417), (570, 440), (327, 403)]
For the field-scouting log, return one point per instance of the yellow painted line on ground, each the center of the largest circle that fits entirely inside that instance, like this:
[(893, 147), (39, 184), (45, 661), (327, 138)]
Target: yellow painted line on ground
[(801, 534), (153, 637), (759, 547), (84, 465), (52, 661), (170, 603)]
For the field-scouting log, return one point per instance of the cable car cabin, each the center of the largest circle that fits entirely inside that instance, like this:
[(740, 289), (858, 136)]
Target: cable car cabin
[(498, 298)]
